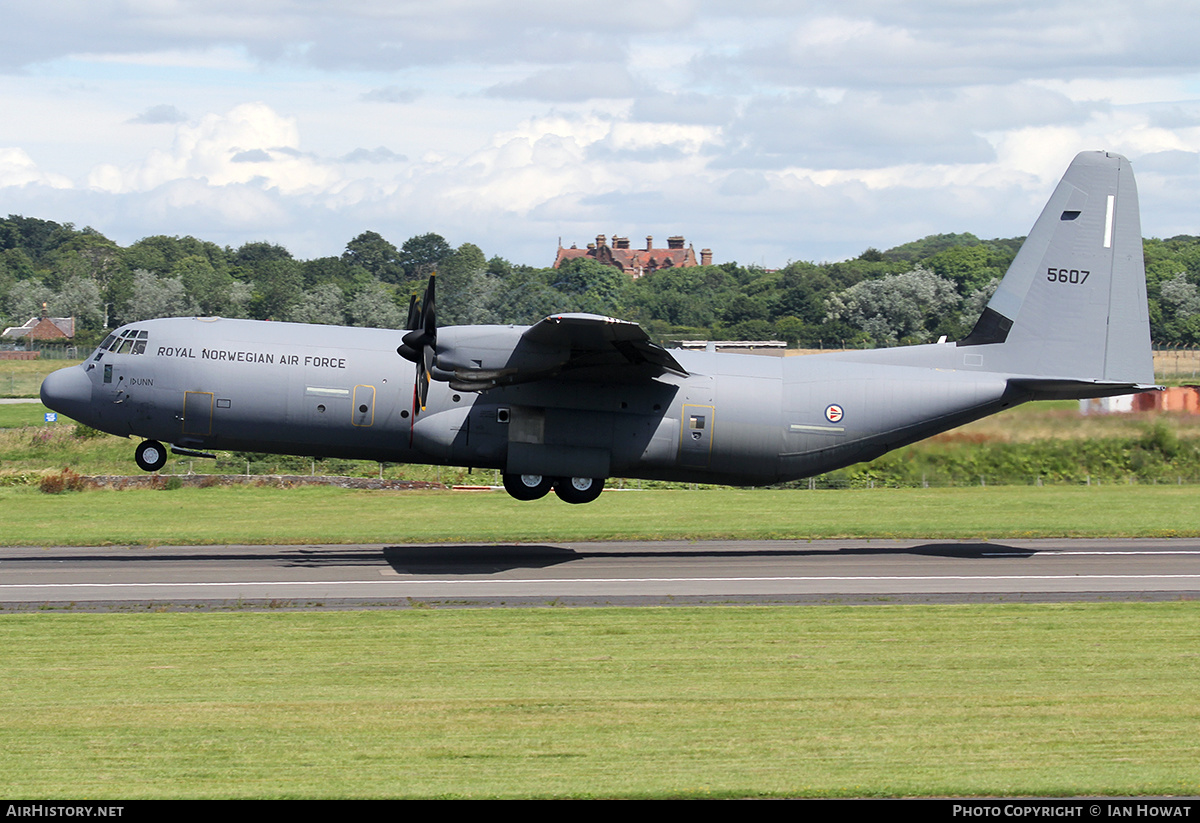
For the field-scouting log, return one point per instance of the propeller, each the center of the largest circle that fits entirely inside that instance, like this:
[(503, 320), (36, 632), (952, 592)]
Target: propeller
[(420, 346)]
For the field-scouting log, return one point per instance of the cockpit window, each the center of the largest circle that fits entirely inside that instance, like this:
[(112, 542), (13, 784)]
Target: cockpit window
[(126, 341), (105, 346)]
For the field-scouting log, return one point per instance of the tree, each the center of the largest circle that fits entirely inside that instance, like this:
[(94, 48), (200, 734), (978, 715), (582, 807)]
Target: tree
[(376, 255), (276, 287), (592, 287), (323, 304), (18, 264), (208, 288), (895, 307), (37, 238), (970, 267), (161, 253), (80, 298), (464, 288), (743, 308), (524, 297), (374, 307), (153, 297), (791, 329), (88, 254), (804, 288), (1179, 301), (25, 300), (347, 276), (251, 254), (499, 267), (422, 255)]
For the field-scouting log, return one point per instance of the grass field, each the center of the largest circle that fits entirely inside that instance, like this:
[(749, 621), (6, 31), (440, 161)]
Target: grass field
[(23, 378), (679, 702), (28, 415)]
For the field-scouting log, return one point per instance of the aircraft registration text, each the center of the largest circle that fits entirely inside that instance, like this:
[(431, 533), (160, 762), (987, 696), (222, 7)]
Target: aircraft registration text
[(1076, 277)]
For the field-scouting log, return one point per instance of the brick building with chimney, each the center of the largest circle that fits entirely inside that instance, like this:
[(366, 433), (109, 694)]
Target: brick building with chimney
[(636, 262), (42, 329)]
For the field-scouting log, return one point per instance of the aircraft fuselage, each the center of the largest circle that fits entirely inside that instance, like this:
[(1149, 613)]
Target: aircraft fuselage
[(325, 391), (576, 398)]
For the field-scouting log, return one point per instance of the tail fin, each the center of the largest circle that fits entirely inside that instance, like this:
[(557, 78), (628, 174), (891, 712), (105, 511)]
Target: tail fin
[(1072, 306)]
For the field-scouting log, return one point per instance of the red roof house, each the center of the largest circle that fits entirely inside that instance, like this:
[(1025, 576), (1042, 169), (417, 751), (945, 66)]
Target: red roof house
[(636, 262)]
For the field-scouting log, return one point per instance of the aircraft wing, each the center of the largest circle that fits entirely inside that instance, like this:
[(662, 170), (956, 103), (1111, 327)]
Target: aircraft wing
[(596, 341), (584, 347)]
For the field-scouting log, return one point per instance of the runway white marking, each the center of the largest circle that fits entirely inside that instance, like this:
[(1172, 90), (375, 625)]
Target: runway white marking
[(585, 580)]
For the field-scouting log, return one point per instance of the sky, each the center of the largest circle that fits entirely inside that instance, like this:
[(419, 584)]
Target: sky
[(766, 130)]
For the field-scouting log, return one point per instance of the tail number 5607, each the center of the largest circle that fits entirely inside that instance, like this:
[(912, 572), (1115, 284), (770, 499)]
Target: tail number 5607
[(1075, 277)]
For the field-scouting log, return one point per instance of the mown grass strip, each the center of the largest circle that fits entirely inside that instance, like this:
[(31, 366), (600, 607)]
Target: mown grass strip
[(749, 701), (332, 515)]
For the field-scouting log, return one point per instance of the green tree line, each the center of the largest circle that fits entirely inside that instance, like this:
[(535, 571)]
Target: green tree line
[(912, 293)]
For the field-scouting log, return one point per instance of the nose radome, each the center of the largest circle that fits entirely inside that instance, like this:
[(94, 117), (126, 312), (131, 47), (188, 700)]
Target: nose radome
[(68, 391)]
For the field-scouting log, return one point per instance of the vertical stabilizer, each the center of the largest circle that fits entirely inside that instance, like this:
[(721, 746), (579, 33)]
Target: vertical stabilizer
[(1073, 303)]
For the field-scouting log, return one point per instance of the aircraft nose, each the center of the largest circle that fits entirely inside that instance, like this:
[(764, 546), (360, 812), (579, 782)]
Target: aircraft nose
[(68, 391)]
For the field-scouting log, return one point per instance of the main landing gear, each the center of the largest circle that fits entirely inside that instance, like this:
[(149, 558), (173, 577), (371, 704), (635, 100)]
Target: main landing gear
[(568, 489), (150, 455)]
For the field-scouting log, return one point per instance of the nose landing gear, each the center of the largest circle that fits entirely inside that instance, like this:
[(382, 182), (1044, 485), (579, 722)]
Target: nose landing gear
[(150, 455)]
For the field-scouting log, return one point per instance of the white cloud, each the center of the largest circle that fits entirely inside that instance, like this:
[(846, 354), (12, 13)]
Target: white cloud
[(767, 131), (250, 143), (18, 169)]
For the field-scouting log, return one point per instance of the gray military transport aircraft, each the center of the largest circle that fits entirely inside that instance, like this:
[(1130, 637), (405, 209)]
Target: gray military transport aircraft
[(577, 398)]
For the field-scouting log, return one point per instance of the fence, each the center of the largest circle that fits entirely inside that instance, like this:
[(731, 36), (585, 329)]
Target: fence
[(1176, 363), (34, 351)]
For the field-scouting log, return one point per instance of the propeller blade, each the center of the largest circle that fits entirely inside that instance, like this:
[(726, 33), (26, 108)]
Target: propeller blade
[(422, 385), (428, 318), (419, 345), (414, 313)]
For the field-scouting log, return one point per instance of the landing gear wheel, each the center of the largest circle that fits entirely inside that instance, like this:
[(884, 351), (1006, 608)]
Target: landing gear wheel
[(578, 489), (527, 486), (150, 455)]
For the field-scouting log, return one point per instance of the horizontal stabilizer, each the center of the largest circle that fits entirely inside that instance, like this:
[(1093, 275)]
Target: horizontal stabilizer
[(1062, 389)]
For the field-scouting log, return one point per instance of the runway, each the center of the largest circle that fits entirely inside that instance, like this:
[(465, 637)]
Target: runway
[(642, 573)]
